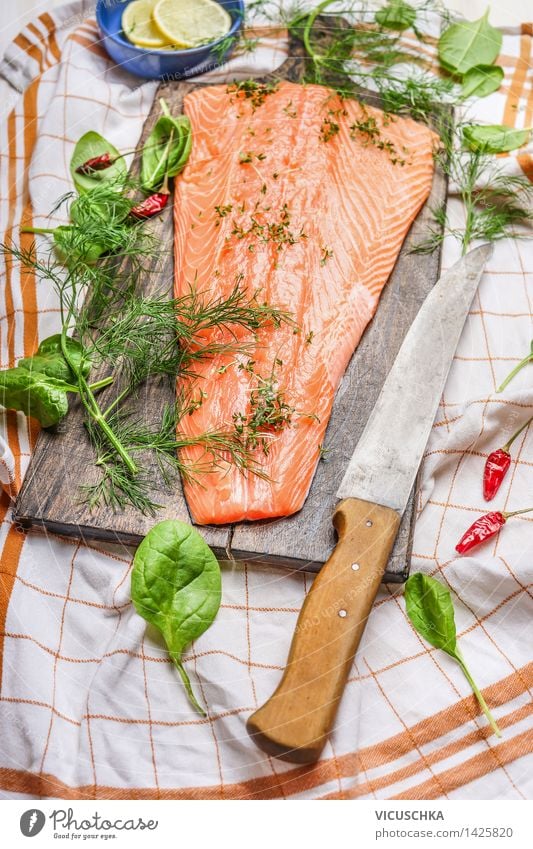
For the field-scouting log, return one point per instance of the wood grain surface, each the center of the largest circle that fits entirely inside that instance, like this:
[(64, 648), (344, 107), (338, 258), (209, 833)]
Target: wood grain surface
[(50, 497)]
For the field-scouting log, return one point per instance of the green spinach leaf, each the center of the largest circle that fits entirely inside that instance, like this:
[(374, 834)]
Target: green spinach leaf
[(176, 586), (481, 80), (90, 145), (38, 385), (494, 138), (468, 43), (44, 398), (166, 150), (49, 359), (429, 607), (397, 15)]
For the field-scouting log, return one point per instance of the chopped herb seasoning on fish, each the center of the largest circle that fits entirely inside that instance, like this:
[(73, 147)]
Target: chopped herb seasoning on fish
[(253, 91)]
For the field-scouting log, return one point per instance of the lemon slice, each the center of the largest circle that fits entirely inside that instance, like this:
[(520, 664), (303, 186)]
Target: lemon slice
[(191, 22), (138, 25)]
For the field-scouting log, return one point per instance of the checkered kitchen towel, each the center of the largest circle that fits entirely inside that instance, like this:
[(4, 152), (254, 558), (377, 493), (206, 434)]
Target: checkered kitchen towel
[(90, 706)]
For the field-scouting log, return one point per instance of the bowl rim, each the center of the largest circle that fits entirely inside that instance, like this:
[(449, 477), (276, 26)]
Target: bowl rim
[(189, 51)]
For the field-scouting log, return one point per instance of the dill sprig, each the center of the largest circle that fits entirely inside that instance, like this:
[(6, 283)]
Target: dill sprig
[(102, 251), (117, 487), (496, 205), (167, 336), (137, 338), (349, 52)]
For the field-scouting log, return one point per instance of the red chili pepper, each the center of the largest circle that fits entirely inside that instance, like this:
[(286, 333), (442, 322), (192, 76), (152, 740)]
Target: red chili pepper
[(497, 465), (484, 528), (151, 206), (97, 163), (495, 470)]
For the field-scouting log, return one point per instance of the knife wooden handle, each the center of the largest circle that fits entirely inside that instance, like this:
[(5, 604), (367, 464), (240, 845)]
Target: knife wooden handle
[(295, 722)]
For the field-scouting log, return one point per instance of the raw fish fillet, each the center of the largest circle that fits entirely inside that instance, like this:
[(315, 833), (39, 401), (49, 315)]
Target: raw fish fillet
[(277, 198)]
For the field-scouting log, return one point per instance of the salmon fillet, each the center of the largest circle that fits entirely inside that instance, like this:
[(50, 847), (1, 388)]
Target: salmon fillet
[(287, 194)]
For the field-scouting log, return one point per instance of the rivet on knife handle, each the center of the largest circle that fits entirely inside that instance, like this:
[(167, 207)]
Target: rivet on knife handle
[(295, 722)]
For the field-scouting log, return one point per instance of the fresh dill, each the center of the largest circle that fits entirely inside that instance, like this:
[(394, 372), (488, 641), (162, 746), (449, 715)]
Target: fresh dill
[(161, 446), (348, 51), (496, 205), (289, 110), (222, 210), (249, 156), (269, 411), (137, 338)]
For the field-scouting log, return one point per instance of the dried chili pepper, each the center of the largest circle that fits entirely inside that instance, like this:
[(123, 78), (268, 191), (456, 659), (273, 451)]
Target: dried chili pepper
[(96, 163), (484, 528), (151, 206), (497, 465)]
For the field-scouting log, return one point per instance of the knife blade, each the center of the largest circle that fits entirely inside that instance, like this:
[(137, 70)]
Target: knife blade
[(295, 722)]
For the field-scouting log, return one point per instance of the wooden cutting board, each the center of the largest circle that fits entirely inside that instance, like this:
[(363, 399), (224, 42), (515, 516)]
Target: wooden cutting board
[(50, 496)]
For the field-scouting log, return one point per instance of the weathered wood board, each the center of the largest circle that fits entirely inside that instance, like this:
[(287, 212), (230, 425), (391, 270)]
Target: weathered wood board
[(50, 497)]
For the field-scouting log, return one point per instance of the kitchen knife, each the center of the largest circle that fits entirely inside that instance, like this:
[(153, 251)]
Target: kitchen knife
[(295, 722)]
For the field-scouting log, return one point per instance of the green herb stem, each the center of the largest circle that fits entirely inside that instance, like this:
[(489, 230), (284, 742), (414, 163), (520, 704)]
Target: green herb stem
[(124, 394), (515, 371), (115, 442), (510, 441), (477, 692), (89, 402), (306, 36), (37, 230), (176, 659), (105, 381), (517, 512)]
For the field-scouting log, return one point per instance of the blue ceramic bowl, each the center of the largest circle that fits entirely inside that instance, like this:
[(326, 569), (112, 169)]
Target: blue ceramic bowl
[(163, 64)]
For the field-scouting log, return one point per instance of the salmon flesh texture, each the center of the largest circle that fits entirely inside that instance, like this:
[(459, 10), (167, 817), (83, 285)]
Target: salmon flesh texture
[(344, 206)]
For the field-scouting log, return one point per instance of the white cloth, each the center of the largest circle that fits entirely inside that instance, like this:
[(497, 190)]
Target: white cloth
[(91, 706)]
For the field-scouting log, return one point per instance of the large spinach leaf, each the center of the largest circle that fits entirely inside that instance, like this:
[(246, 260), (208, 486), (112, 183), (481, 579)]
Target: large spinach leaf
[(494, 138), (38, 385), (176, 585), (93, 144), (429, 607), (166, 150), (468, 43)]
